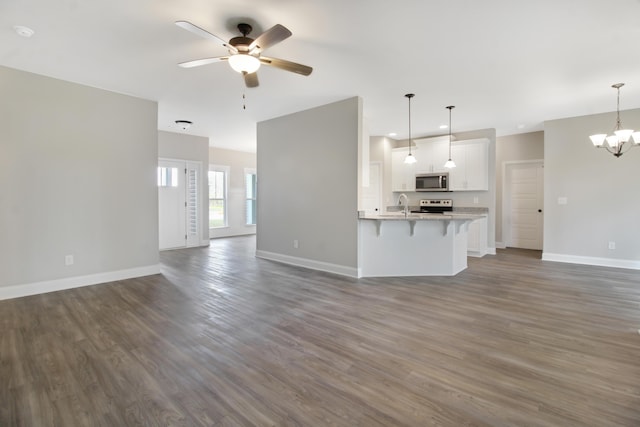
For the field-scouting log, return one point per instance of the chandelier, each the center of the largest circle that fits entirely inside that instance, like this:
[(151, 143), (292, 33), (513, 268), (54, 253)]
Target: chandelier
[(616, 144)]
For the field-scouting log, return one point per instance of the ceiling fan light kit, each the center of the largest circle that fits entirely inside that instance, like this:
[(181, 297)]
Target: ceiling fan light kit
[(245, 53), (616, 143), (244, 63)]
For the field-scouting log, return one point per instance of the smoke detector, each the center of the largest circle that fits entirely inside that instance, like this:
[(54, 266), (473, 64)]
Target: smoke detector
[(183, 124)]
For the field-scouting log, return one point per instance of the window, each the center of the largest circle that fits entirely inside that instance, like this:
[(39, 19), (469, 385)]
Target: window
[(167, 177), (218, 196), (250, 183)]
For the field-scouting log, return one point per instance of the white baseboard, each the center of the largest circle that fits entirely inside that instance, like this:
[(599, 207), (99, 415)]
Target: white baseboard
[(309, 263), (480, 254), (602, 262), (27, 289), (501, 245)]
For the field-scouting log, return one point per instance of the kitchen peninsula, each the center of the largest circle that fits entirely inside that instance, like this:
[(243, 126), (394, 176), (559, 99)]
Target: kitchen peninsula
[(398, 244)]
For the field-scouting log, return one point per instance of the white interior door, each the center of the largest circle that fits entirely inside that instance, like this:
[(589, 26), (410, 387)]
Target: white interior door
[(525, 186), (179, 205), (372, 195)]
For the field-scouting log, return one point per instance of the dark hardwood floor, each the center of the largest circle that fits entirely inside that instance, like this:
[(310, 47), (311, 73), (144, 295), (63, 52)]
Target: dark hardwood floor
[(223, 339)]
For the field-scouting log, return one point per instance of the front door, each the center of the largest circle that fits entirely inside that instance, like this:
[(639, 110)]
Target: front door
[(178, 203)]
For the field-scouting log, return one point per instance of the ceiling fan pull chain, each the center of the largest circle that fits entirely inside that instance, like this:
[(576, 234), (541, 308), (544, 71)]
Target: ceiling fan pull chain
[(244, 104)]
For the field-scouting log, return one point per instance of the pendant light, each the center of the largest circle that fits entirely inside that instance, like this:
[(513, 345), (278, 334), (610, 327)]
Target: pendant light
[(450, 163), (616, 142), (410, 159)]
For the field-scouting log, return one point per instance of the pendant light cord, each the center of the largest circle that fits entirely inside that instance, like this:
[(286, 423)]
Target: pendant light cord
[(618, 124), (449, 133), (409, 96), (450, 107)]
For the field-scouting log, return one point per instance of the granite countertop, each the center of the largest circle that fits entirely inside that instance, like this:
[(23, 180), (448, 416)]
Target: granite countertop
[(395, 213), (399, 216)]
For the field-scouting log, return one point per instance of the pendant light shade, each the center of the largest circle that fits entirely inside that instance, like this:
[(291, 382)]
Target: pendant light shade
[(449, 164), (410, 159)]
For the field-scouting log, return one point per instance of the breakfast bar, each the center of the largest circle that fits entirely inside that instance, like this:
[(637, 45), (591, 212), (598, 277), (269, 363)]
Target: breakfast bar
[(398, 244)]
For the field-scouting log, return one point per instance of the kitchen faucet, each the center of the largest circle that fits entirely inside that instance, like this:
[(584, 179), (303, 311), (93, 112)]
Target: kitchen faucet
[(406, 203)]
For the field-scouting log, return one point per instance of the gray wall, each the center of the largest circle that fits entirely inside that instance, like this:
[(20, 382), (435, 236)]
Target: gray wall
[(307, 174), (520, 147), (77, 177), (237, 161), (603, 195), (181, 146)]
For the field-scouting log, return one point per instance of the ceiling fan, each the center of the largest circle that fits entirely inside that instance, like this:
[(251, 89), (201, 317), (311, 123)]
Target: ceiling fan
[(245, 53)]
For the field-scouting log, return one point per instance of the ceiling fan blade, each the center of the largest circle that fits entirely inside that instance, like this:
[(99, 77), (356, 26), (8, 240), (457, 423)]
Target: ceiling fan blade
[(251, 79), (287, 65), (203, 61), (205, 34), (273, 35)]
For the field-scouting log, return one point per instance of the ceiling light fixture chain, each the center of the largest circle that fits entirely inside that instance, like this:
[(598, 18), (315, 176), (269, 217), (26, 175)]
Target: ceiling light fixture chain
[(449, 164), (410, 159), (617, 143)]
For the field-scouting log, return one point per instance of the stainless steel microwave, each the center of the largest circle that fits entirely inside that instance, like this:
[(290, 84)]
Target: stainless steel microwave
[(432, 181)]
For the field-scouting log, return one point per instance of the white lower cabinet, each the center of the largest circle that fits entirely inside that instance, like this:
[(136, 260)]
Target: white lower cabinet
[(477, 245)]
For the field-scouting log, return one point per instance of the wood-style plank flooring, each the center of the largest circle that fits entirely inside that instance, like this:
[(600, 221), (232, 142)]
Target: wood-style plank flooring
[(222, 338)]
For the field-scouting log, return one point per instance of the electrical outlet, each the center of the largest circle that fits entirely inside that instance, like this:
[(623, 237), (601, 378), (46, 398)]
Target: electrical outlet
[(562, 200), (612, 245), (476, 200), (68, 260), (295, 244)]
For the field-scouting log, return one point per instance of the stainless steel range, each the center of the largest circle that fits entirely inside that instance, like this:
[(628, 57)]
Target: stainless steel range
[(435, 206)]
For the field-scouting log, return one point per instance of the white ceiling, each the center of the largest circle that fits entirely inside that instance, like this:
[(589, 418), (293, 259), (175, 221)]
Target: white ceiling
[(504, 64)]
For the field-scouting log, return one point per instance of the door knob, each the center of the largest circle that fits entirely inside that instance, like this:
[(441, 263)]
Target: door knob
[(539, 210)]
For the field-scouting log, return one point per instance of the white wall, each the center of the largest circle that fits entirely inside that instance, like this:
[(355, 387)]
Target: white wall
[(237, 161), (77, 177), (520, 147), (181, 146), (603, 196), (307, 187)]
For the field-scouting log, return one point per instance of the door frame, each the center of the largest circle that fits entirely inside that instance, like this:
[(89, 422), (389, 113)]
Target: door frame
[(506, 196)]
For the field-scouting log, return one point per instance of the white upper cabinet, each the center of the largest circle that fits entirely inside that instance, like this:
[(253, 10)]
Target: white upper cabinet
[(403, 176), (471, 157), (472, 165), (431, 156)]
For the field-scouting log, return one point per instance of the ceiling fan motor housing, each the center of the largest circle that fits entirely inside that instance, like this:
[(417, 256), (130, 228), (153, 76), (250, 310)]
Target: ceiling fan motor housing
[(241, 43)]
